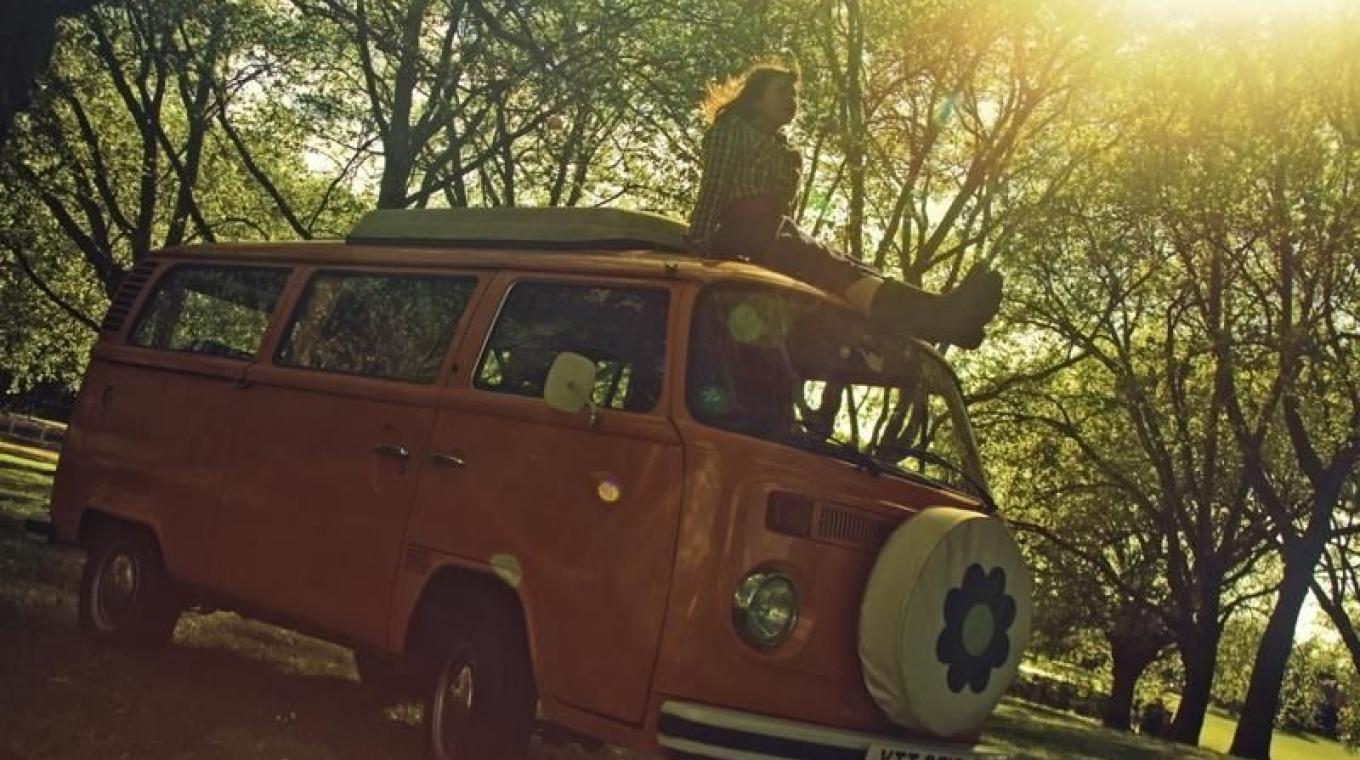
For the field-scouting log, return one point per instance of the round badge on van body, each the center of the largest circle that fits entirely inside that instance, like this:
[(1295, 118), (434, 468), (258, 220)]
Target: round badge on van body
[(609, 491), (944, 621)]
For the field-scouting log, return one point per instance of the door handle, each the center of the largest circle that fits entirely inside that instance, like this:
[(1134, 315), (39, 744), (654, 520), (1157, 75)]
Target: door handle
[(447, 460), (389, 450)]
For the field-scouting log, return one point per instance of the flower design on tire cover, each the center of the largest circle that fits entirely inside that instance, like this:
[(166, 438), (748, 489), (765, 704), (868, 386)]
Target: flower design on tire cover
[(977, 616)]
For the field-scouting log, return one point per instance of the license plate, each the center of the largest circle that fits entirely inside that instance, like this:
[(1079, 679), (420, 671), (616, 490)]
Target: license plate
[(906, 752)]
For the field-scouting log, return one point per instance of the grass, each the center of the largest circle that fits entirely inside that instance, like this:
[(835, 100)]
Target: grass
[(1032, 732), (235, 689), (25, 479), (1286, 745)]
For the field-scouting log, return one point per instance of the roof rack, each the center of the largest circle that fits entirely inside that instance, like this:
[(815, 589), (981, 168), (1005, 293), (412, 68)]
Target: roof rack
[(555, 228)]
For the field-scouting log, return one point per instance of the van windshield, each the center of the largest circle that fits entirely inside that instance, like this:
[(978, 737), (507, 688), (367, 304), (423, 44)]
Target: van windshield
[(794, 369)]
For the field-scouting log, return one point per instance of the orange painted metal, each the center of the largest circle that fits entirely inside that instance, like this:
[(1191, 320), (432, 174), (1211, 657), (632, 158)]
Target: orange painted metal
[(815, 675), (151, 430), (585, 514), (624, 539)]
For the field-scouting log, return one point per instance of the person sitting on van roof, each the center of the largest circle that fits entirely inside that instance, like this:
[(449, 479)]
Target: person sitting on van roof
[(750, 178)]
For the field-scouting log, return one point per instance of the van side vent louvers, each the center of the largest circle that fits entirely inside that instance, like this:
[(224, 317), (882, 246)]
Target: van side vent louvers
[(132, 284), (418, 560), (842, 526)]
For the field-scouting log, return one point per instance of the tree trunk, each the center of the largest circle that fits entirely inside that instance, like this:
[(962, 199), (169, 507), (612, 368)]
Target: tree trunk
[(1129, 664), (1199, 657), (855, 138), (1119, 709), (1136, 636), (28, 32), (1345, 626), (27, 45), (1257, 723), (396, 174)]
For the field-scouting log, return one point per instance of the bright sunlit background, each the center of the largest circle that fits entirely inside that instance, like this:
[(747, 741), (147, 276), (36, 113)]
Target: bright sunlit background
[(1209, 11)]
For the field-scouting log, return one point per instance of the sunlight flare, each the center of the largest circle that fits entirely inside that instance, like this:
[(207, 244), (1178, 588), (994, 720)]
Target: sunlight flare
[(1219, 11)]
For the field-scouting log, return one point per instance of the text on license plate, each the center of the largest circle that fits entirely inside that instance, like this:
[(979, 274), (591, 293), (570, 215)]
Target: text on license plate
[(881, 752)]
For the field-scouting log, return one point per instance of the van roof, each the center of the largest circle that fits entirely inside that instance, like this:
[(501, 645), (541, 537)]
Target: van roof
[(518, 227), (601, 242)]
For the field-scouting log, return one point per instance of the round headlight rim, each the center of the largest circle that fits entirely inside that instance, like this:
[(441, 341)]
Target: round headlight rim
[(745, 592)]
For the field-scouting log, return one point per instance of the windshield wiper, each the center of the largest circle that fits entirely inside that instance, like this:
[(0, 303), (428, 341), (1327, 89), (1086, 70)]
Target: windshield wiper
[(822, 443), (929, 457)]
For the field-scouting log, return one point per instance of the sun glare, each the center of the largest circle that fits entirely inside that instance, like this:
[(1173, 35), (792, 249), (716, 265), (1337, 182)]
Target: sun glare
[(1210, 11)]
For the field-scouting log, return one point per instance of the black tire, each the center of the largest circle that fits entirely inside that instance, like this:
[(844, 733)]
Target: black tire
[(126, 597), (479, 694)]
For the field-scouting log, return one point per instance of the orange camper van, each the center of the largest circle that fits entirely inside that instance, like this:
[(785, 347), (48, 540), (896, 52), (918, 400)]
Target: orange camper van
[(544, 468)]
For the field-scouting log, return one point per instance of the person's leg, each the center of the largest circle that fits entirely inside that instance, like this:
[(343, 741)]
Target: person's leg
[(956, 317), (746, 230)]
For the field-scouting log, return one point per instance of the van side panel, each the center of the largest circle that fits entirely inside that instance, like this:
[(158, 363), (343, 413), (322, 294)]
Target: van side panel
[(314, 512), (149, 432), (583, 518)]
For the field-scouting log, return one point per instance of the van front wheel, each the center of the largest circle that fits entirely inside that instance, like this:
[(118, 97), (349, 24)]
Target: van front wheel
[(480, 704), (126, 596)]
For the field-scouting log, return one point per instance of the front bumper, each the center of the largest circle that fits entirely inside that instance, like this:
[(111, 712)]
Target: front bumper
[(694, 730)]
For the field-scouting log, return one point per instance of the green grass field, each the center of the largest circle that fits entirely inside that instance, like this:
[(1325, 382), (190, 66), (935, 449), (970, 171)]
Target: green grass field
[(1218, 734), (236, 689), (25, 479)]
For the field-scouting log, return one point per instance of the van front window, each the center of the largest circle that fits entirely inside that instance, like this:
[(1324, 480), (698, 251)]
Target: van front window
[(796, 370)]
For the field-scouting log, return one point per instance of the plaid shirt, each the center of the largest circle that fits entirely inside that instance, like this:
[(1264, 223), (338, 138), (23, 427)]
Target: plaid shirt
[(741, 161)]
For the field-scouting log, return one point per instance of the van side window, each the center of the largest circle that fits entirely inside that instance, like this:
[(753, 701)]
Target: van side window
[(390, 326), (622, 329), (213, 310)]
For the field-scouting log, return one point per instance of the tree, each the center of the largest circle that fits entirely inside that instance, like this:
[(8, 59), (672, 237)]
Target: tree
[(119, 155), (1337, 585), (1114, 270), (27, 33), (1279, 298)]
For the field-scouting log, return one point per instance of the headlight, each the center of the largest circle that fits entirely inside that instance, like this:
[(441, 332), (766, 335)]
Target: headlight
[(765, 607)]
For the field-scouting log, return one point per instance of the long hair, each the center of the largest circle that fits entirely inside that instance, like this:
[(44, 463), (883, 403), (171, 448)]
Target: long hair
[(739, 92)]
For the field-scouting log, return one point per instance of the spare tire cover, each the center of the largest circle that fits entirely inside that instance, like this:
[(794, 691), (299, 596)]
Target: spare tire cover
[(945, 620)]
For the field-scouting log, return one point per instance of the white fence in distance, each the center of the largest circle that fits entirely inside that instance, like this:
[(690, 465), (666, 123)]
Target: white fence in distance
[(33, 431)]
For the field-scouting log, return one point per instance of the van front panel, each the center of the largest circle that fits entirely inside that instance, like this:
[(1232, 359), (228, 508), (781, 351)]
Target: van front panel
[(803, 429), (724, 534)]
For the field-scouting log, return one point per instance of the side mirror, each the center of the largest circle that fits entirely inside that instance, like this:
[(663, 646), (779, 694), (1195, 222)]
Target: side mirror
[(570, 381)]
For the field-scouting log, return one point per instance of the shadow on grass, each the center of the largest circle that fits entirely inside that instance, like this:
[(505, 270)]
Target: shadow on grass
[(226, 688), (65, 697), (1033, 732)]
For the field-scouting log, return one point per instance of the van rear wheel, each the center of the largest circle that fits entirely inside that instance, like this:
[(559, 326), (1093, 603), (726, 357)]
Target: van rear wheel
[(480, 702), (126, 597)]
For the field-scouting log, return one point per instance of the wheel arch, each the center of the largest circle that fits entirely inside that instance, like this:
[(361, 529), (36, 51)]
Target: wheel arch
[(451, 586), (94, 520)]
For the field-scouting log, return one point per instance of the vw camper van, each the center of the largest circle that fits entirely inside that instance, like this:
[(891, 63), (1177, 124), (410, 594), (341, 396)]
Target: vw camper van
[(548, 468)]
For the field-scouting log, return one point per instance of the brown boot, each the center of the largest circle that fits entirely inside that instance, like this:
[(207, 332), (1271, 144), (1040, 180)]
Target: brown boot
[(957, 317)]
